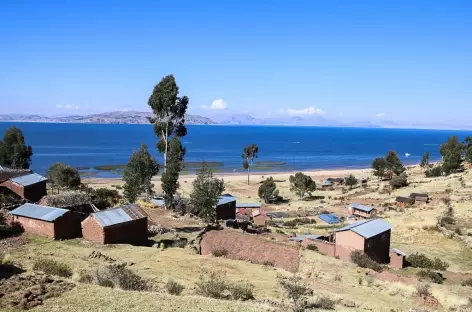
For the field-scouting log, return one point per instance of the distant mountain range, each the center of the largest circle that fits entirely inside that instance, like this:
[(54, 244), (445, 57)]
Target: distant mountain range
[(120, 117)]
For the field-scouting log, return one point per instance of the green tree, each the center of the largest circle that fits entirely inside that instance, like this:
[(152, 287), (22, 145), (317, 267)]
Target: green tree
[(63, 176), (13, 150), (425, 161), (399, 181), (105, 198), (169, 113), (302, 184), (249, 153), (268, 189), (380, 167), (436, 171), (205, 194), (468, 149), (138, 172), (394, 164), (451, 152), (170, 177), (351, 181)]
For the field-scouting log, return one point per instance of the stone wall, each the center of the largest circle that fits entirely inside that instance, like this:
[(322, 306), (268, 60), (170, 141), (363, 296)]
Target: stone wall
[(34, 226), (251, 248)]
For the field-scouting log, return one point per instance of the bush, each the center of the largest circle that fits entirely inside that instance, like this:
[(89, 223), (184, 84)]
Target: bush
[(299, 221), (312, 247), (296, 291), (370, 280), (423, 290), (338, 277), (242, 291), (213, 286), (219, 252), (174, 288), (399, 181), (52, 267), (447, 221), (467, 282), (419, 260), (364, 261), (324, 303), (431, 276), (118, 276), (434, 172)]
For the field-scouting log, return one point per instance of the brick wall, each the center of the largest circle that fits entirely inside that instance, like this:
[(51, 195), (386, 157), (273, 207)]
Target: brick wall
[(251, 248), (92, 230), (34, 226), (397, 261), (15, 188)]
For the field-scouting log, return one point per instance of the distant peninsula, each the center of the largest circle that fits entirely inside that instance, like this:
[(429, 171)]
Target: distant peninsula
[(119, 117)]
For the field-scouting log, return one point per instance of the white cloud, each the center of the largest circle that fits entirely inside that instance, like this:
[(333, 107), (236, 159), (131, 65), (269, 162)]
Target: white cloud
[(218, 104), (67, 106), (380, 115), (309, 111)]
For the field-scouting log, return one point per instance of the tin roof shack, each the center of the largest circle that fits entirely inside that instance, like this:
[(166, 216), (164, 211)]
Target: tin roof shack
[(31, 186), (362, 211), (397, 259), (122, 225), (259, 218), (55, 223), (404, 201), (226, 207), (420, 197), (326, 185), (336, 180), (370, 236)]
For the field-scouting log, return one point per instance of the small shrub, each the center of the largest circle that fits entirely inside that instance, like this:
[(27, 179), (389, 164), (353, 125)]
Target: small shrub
[(117, 276), (419, 260), (399, 181), (446, 220), (296, 291), (370, 280), (174, 288), (360, 281), (219, 252), (324, 303), (467, 282), (423, 290), (434, 172), (338, 277), (213, 286), (431, 276), (268, 263), (458, 231), (52, 267), (242, 291), (364, 261), (312, 247)]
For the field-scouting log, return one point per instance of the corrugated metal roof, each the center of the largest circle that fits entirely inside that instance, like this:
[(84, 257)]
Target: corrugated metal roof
[(329, 218), (225, 199), (367, 228), (117, 215), (248, 205), (327, 183), (44, 213), (362, 207), (29, 179), (158, 202), (300, 238), (397, 251)]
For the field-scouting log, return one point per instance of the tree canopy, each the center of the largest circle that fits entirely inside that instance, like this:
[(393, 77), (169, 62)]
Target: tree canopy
[(170, 177), (351, 181), (451, 152), (399, 181), (138, 172), (105, 198), (169, 113), (205, 194), (425, 161), (380, 167), (302, 184), (268, 189), (13, 150), (249, 153), (394, 164), (63, 176)]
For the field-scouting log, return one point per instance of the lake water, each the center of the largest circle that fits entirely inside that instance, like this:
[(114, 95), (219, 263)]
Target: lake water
[(298, 148)]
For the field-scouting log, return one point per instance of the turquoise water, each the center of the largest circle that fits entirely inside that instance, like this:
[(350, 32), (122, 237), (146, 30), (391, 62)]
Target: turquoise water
[(293, 148)]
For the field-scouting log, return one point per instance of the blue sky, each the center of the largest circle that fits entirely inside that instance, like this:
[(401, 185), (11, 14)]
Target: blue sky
[(352, 60)]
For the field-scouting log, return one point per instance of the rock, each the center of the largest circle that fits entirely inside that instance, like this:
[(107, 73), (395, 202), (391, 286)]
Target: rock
[(348, 303)]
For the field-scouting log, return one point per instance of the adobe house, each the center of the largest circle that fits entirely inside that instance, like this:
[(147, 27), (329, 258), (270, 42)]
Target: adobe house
[(226, 207), (370, 236), (397, 259), (404, 201), (122, 225), (55, 223), (259, 218), (420, 197), (31, 186), (327, 185), (362, 211)]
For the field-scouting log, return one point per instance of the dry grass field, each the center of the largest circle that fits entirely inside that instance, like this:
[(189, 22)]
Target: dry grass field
[(413, 231)]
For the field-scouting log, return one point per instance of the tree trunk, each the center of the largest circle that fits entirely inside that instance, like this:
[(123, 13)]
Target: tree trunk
[(248, 176)]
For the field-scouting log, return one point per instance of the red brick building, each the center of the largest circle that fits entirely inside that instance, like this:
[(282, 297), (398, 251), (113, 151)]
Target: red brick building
[(31, 186), (397, 259), (362, 211), (55, 223), (123, 225)]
